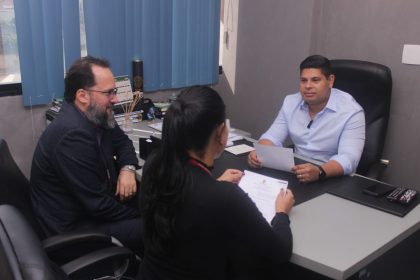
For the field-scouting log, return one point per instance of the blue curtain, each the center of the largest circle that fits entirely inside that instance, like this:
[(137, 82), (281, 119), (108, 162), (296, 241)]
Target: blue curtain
[(44, 29), (177, 40)]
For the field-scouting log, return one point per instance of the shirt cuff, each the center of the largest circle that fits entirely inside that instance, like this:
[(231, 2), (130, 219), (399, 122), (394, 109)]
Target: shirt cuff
[(345, 164), (272, 139), (281, 218)]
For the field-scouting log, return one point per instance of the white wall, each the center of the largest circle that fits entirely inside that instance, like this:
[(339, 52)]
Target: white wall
[(21, 128), (229, 37)]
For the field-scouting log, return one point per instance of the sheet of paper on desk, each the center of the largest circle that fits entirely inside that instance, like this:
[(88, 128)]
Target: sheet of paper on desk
[(232, 136), (275, 157), (263, 191), (157, 126), (239, 149)]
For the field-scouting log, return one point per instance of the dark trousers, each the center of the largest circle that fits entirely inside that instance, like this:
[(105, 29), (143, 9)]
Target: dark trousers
[(129, 232)]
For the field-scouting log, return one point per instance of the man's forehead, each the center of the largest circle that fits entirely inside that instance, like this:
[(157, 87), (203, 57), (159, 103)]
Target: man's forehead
[(102, 74), (311, 73), (99, 70)]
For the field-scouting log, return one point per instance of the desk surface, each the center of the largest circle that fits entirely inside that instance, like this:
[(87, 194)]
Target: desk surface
[(337, 237), (331, 236), (143, 130)]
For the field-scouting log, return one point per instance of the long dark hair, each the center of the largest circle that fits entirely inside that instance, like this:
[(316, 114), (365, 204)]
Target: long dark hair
[(188, 125)]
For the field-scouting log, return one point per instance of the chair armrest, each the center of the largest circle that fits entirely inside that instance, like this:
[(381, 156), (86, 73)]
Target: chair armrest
[(68, 246), (70, 239), (109, 261), (384, 162)]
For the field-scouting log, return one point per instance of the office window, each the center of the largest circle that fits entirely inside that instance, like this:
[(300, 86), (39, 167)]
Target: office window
[(83, 48), (9, 58), (176, 40), (10, 72), (228, 39), (222, 29), (48, 35)]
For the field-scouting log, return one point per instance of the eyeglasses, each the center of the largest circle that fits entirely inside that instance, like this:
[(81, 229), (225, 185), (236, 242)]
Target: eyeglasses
[(109, 93)]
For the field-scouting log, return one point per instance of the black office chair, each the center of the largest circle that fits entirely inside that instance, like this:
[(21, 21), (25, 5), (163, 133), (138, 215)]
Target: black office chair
[(63, 249), (22, 255), (371, 85)]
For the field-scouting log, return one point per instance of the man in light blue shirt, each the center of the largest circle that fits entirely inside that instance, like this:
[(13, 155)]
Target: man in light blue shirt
[(324, 123)]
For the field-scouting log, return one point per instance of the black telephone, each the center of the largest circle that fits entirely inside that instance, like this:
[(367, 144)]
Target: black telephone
[(402, 195), (378, 190)]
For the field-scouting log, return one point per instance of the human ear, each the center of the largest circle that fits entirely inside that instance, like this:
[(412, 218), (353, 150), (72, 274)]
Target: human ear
[(220, 139), (82, 96), (331, 80), (219, 130)]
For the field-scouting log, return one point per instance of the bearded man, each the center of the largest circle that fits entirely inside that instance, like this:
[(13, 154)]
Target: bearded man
[(83, 169)]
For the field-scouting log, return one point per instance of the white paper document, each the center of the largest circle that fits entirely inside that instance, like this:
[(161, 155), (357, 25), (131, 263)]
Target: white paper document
[(239, 149), (275, 157), (233, 136), (124, 93), (263, 191), (157, 126)]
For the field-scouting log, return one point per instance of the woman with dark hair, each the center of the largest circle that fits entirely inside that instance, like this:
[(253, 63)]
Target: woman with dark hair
[(197, 227)]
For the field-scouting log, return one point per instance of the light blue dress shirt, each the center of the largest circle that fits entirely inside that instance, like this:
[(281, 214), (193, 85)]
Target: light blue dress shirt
[(336, 133)]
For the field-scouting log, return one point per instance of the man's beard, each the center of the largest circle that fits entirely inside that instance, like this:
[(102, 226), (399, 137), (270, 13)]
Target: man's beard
[(100, 117)]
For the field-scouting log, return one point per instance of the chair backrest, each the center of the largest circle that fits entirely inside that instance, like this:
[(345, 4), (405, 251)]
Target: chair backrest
[(21, 252), (15, 189), (371, 85)]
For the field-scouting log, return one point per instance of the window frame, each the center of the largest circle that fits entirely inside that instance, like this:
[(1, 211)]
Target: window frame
[(10, 89)]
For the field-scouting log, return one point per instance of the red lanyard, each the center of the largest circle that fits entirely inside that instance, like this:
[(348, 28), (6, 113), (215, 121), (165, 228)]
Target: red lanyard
[(199, 164)]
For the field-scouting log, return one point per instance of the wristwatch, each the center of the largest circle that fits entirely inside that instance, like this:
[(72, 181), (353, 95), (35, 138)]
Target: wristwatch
[(129, 167), (322, 175)]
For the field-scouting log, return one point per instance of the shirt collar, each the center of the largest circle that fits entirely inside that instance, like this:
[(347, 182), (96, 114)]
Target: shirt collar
[(331, 104)]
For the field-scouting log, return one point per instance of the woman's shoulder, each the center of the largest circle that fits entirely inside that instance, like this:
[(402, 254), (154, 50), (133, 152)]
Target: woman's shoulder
[(205, 181), (208, 187)]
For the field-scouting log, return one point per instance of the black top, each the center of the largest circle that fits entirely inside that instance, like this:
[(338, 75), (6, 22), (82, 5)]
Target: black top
[(75, 170), (220, 234)]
